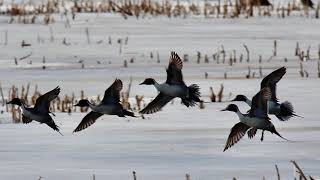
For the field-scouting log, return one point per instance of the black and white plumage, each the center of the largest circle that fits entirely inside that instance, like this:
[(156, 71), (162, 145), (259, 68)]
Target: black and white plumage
[(283, 111), (41, 110), (110, 105), (257, 118), (172, 88)]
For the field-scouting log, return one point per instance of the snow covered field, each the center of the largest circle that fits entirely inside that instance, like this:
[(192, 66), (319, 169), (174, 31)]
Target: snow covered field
[(177, 140)]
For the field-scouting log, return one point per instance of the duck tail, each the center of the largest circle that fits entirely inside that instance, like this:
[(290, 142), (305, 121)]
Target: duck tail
[(53, 125), (194, 92), (286, 111), (274, 131), (128, 113), (193, 96)]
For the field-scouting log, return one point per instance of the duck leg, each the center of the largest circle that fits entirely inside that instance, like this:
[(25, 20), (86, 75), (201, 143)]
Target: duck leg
[(262, 135)]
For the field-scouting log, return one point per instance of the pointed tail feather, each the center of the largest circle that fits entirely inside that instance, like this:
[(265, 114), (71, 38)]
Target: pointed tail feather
[(54, 127), (194, 95), (274, 131), (286, 111)]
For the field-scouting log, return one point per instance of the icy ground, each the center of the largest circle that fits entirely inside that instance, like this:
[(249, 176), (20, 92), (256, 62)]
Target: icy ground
[(177, 140)]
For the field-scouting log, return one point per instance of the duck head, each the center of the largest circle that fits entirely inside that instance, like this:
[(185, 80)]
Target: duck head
[(240, 98), (83, 103), (231, 107), (15, 101), (148, 81)]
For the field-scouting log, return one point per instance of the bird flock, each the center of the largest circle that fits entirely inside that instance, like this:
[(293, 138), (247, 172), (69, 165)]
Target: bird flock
[(265, 102)]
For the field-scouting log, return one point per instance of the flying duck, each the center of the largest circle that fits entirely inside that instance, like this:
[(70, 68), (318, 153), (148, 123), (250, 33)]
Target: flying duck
[(40, 112), (256, 118), (283, 111), (172, 88), (110, 105)]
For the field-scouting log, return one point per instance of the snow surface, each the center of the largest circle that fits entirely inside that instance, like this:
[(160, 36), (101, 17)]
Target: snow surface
[(177, 140)]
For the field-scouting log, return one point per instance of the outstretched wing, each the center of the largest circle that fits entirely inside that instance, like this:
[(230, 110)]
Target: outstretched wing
[(112, 94), (88, 120), (157, 104), (43, 102), (174, 74), (271, 81), (259, 107), (236, 133)]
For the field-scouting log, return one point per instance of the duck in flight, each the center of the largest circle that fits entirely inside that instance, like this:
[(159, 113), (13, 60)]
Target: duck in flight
[(40, 112), (283, 111), (172, 88), (256, 118), (110, 105)]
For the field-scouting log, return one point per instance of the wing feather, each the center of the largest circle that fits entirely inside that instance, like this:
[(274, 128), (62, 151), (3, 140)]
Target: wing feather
[(271, 81), (112, 94), (87, 121), (156, 104), (259, 107), (174, 74), (252, 132), (43, 102), (236, 133)]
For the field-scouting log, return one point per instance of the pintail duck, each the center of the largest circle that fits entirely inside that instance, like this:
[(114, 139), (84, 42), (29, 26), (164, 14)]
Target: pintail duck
[(172, 88), (283, 111), (40, 112), (256, 118), (110, 105)]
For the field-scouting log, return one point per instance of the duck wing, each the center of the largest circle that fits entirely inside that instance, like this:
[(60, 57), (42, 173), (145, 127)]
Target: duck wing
[(88, 120), (43, 102), (174, 74), (271, 81), (157, 104), (259, 107), (112, 94), (236, 133), (252, 132)]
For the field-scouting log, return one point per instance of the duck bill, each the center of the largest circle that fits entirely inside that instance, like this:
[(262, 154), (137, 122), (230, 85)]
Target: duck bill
[(142, 83), (223, 110), (77, 104), (10, 102), (235, 99)]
